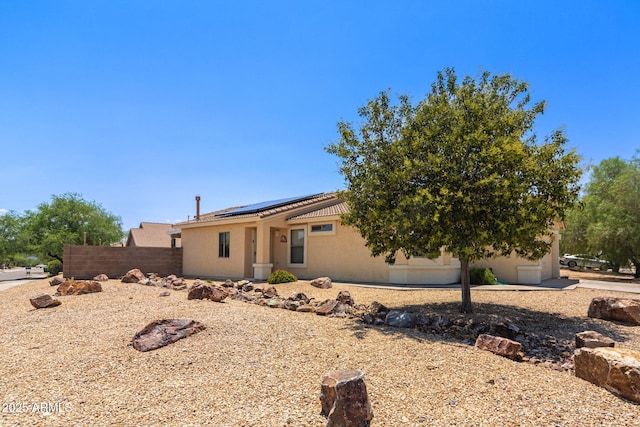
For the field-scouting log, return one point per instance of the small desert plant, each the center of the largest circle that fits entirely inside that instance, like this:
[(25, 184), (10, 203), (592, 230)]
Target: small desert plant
[(281, 276), (482, 276)]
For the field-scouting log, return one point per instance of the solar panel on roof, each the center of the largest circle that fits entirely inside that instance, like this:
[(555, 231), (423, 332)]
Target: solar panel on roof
[(263, 206)]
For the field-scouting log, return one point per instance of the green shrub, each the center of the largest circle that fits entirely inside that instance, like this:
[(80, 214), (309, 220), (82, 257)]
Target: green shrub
[(281, 276), (54, 267), (482, 276)]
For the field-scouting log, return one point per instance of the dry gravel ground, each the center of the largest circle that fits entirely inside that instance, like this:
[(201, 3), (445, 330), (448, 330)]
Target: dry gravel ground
[(256, 366)]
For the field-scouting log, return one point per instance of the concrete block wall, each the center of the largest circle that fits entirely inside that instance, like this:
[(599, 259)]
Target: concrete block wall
[(86, 262)]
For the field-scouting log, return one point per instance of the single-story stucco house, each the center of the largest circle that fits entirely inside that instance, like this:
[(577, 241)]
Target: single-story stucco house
[(304, 236)]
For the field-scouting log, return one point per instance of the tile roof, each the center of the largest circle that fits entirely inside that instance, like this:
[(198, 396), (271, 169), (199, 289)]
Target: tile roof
[(337, 208), (151, 234)]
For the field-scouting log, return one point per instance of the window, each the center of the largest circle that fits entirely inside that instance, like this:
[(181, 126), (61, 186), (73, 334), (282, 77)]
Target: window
[(223, 244), (319, 228), (297, 246)]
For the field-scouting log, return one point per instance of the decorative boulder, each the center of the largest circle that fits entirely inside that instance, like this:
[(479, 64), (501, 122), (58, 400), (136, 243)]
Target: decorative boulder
[(56, 281), (344, 399), (201, 290), (132, 276), (322, 283), (44, 301), (592, 339), (499, 345), (163, 332), (400, 319), (615, 369), (625, 310), (101, 278), (81, 287)]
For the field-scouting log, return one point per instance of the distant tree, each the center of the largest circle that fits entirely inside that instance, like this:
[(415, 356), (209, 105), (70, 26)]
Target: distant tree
[(607, 221), (66, 220), (11, 243), (461, 170)]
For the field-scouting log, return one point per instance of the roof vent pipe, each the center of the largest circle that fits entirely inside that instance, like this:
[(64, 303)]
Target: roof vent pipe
[(197, 208)]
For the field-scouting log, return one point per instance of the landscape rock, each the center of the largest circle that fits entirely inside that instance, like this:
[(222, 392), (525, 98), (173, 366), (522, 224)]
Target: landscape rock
[(322, 283), (292, 305), (340, 310), (56, 281), (299, 296), (178, 283), (504, 328), (275, 303), (101, 278), (344, 399), (400, 319), (593, 339), (499, 345), (326, 307), (202, 290), (164, 294), (80, 287), (625, 310), (163, 332), (376, 308), (44, 301), (132, 276), (345, 298), (241, 283), (270, 292), (241, 296), (615, 369), (306, 308)]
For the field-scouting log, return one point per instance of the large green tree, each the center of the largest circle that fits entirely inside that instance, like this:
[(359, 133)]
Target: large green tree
[(607, 221), (461, 170), (68, 218)]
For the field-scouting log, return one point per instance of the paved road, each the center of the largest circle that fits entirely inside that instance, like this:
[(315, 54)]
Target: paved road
[(18, 276), (19, 273)]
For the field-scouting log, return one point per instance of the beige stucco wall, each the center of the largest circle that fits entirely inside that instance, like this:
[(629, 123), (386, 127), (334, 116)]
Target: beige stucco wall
[(342, 256), (443, 270), (200, 252), (515, 269)]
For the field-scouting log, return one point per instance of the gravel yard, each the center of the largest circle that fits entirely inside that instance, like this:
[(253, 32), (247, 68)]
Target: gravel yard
[(259, 366)]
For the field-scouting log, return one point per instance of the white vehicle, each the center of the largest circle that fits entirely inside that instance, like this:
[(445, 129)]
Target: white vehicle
[(585, 261)]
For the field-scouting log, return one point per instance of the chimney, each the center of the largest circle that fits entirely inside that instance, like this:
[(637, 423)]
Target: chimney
[(197, 208)]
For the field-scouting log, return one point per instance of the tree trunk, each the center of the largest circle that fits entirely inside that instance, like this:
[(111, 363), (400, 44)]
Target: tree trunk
[(52, 255), (465, 280)]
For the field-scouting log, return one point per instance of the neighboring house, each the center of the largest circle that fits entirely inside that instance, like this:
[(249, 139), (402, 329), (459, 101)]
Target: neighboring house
[(153, 235), (304, 236)]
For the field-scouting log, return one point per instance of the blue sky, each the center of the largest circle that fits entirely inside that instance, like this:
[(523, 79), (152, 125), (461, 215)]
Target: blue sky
[(142, 105)]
